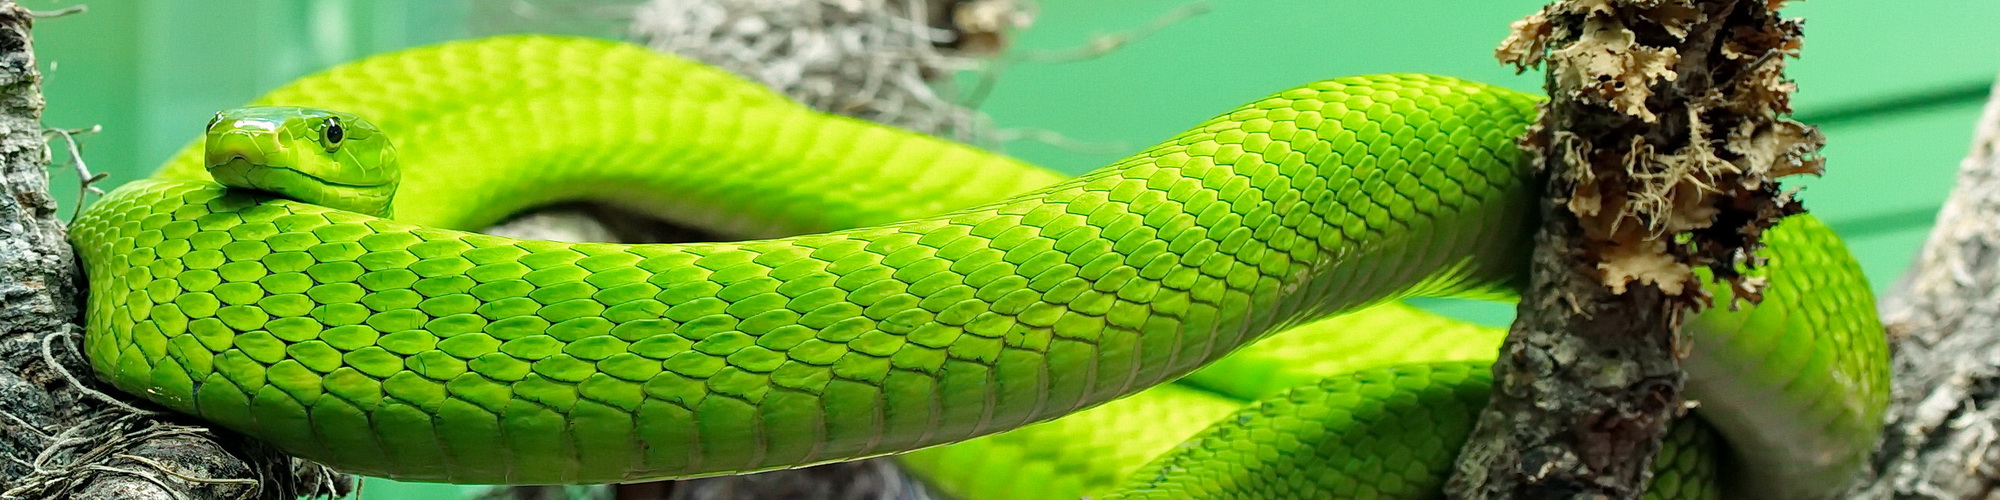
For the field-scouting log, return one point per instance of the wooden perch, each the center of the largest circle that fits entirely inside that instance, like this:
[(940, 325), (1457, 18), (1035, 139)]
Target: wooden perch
[(1662, 122), (1942, 439)]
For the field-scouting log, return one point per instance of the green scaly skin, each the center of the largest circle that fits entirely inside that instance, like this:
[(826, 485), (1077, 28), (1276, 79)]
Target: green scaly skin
[(1098, 449), (409, 348)]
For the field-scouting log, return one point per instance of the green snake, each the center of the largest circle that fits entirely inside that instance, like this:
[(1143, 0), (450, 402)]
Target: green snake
[(890, 291)]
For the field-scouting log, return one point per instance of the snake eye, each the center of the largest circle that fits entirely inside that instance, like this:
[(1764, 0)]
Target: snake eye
[(331, 134)]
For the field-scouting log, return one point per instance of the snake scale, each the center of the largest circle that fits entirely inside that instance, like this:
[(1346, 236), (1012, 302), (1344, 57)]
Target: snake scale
[(888, 291)]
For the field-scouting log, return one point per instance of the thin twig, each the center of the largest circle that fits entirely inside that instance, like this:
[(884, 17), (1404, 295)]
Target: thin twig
[(164, 468), (62, 12), (1102, 44), (1057, 139), (1098, 46), (86, 180), (24, 423), (48, 356)]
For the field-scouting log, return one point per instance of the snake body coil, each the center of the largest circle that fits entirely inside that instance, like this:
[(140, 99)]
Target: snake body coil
[(413, 349)]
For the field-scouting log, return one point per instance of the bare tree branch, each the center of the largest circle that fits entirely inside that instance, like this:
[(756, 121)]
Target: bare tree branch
[(1944, 319)]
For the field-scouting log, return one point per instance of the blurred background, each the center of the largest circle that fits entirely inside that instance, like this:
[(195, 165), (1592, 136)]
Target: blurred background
[(1889, 82)]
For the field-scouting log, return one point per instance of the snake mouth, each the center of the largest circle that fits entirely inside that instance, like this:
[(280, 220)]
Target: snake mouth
[(239, 171), (248, 153)]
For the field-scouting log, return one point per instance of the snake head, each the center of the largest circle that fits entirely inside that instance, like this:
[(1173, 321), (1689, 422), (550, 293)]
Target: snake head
[(328, 158)]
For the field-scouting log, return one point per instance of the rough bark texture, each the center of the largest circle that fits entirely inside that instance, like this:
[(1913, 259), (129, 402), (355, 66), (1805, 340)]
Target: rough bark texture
[(1661, 123), (887, 61), (34, 261), (1943, 440), (64, 440)]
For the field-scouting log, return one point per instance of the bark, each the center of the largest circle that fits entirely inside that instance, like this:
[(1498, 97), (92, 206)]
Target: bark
[(1661, 123), (60, 436), (892, 62), (1944, 323)]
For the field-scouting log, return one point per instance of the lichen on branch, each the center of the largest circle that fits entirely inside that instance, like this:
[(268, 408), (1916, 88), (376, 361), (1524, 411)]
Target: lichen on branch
[(1667, 156), (1661, 143)]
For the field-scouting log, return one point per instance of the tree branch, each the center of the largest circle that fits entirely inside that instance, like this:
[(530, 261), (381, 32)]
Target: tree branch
[(1643, 93), (1944, 321), (59, 437)]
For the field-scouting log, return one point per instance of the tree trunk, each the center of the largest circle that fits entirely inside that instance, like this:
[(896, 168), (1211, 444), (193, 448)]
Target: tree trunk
[(1642, 90), (1944, 322), (61, 439)]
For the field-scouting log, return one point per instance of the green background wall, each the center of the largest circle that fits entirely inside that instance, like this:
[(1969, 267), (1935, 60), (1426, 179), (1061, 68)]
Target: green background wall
[(151, 71)]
